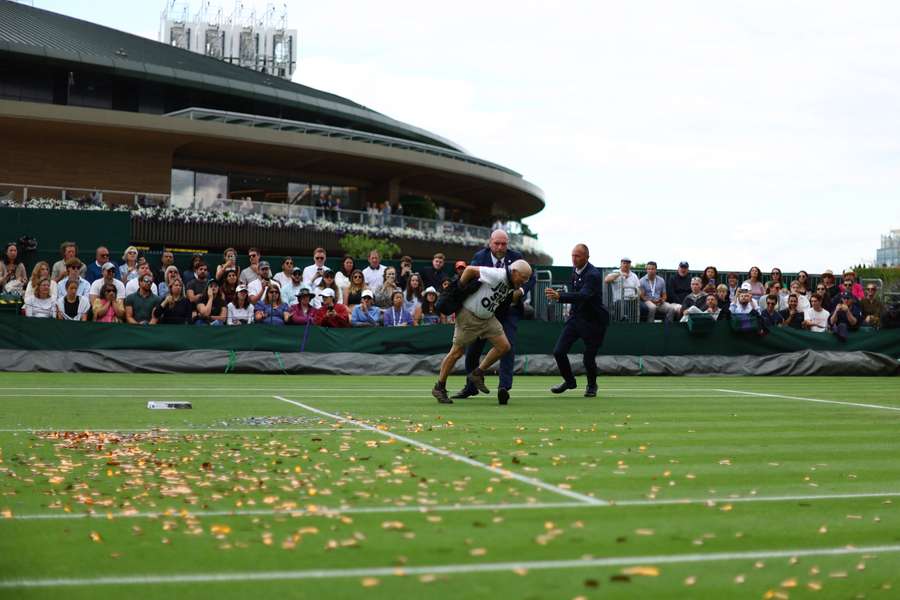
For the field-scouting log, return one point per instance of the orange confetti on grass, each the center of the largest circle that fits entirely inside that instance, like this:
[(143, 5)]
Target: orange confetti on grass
[(95, 537), (478, 551), (645, 532), (6, 513), (220, 529), (641, 571), (690, 580), (370, 581)]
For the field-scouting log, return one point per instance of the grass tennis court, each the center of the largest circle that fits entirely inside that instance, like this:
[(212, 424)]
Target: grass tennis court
[(339, 486)]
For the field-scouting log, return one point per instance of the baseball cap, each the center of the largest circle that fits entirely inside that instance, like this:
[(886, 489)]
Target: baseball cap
[(107, 266), (241, 288), (684, 264), (327, 271), (148, 279), (212, 282), (329, 293), (297, 270), (459, 263), (304, 289), (430, 290), (365, 293), (846, 295), (263, 264), (625, 259), (746, 287)]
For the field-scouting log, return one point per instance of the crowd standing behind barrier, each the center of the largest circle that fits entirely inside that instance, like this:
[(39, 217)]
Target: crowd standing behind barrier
[(218, 292)]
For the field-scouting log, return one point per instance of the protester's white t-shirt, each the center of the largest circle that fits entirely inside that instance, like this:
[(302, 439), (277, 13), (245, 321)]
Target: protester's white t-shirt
[(494, 289), (818, 319)]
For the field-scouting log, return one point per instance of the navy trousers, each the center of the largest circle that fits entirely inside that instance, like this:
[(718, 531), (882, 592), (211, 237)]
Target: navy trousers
[(592, 334), (473, 354)]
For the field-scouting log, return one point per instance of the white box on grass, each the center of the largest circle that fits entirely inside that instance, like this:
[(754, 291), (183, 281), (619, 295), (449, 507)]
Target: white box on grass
[(166, 405)]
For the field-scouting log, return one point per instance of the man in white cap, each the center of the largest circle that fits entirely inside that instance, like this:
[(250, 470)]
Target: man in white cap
[(476, 320), (109, 277), (366, 314), (744, 303)]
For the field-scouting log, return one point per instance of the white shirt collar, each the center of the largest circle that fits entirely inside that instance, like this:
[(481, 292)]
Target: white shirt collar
[(494, 259)]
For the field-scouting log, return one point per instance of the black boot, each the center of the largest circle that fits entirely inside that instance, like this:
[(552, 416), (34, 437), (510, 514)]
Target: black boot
[(440, 392), (476, 379), (565, 385)]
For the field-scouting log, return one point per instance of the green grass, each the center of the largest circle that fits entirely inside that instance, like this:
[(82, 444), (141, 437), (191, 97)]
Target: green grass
[(215, 491)]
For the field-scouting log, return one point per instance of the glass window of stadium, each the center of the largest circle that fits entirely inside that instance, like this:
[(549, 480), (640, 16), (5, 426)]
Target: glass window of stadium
[(197, 190)]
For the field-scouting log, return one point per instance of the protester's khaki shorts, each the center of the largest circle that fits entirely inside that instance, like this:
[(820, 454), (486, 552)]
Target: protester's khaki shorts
[(470, 328)]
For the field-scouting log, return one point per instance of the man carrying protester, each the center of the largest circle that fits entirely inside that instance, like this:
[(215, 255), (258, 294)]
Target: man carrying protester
[(476, 320), (588, 319)]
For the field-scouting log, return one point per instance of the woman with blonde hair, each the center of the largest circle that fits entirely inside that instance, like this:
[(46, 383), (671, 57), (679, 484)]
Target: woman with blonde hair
[(175, 309), (171, 274), (353, 295), (128, 270), (230, 257), (40, 272), (41, 305)]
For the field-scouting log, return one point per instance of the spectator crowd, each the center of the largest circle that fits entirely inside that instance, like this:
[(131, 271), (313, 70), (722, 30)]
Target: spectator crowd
[(130, 290)]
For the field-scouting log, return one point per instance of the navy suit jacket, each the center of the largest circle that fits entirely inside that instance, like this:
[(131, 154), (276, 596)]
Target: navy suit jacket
[(587, 296), (482, 258)]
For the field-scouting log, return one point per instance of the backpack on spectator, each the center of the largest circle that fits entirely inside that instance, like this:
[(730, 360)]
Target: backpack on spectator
[(452, 298)]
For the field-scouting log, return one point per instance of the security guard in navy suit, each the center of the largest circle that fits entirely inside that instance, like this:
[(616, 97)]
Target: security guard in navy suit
[(588, 319), (498, 254)]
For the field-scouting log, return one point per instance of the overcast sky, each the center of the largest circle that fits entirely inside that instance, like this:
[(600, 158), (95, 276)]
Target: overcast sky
[(733, 134)]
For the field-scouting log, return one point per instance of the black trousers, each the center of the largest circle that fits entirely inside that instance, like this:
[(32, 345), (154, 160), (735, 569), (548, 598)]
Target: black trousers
[(592, 334)]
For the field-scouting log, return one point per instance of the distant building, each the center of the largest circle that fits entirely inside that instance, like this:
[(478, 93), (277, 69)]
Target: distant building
[(262, 44), (889, 253)]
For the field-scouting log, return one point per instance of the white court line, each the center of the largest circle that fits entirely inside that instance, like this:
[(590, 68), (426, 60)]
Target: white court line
[(328, 511), (163, 430), (128, 395), (539, 565), (298, 390), (857, 404), (457, 457)]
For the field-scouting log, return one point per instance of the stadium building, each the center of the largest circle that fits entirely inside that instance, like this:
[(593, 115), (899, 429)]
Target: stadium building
[(208, 154)]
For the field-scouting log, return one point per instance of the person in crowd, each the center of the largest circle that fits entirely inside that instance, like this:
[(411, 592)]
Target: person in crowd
[(139, 306), (445, 283), (770, 316), (189, 274), (804, 283), (240, 310), (723, 301), (653, 294), (175, 308), (72, 306), (108, 306), (326, 281), (588, 320), (283, 277), (405, 271), (396, 315), (745, 304), (773, 288), (211, 308), (95, 269), (169, 275), (412, 294), (434, 273), (229, 284), (832, 291), (166, 260), (712, 306), (196, 287), (353, 295), (291, 287), (68, 251), (709, 289), (366, 314), (792, 316), (128, 270), (74, 268), (229, 261), (40, 272), (696, 297), (342, 277), (386, 291), (13, 276), (679, 284), (458, 267), (627, 283), (815, 318), (802, 300), (40, 304), (271, 310), (754, 278), (374, 273), (427, 312), (302, 312), (847, 316), (851, 285), (776, 276), (329, 313), (311, 273), (109, 278), (251, 272), (732, 281), (143, 271), (477, 319), (710, 275), (871, 306)]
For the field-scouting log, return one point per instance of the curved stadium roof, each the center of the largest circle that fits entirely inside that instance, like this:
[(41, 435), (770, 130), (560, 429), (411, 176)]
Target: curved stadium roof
[(25, 30)]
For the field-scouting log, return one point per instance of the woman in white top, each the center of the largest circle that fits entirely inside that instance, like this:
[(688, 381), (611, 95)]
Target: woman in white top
[(802, 300), (129, 269), (40, 272), (342, 277), (412, 297), (71, 306), (240, 312), (41, 305)]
